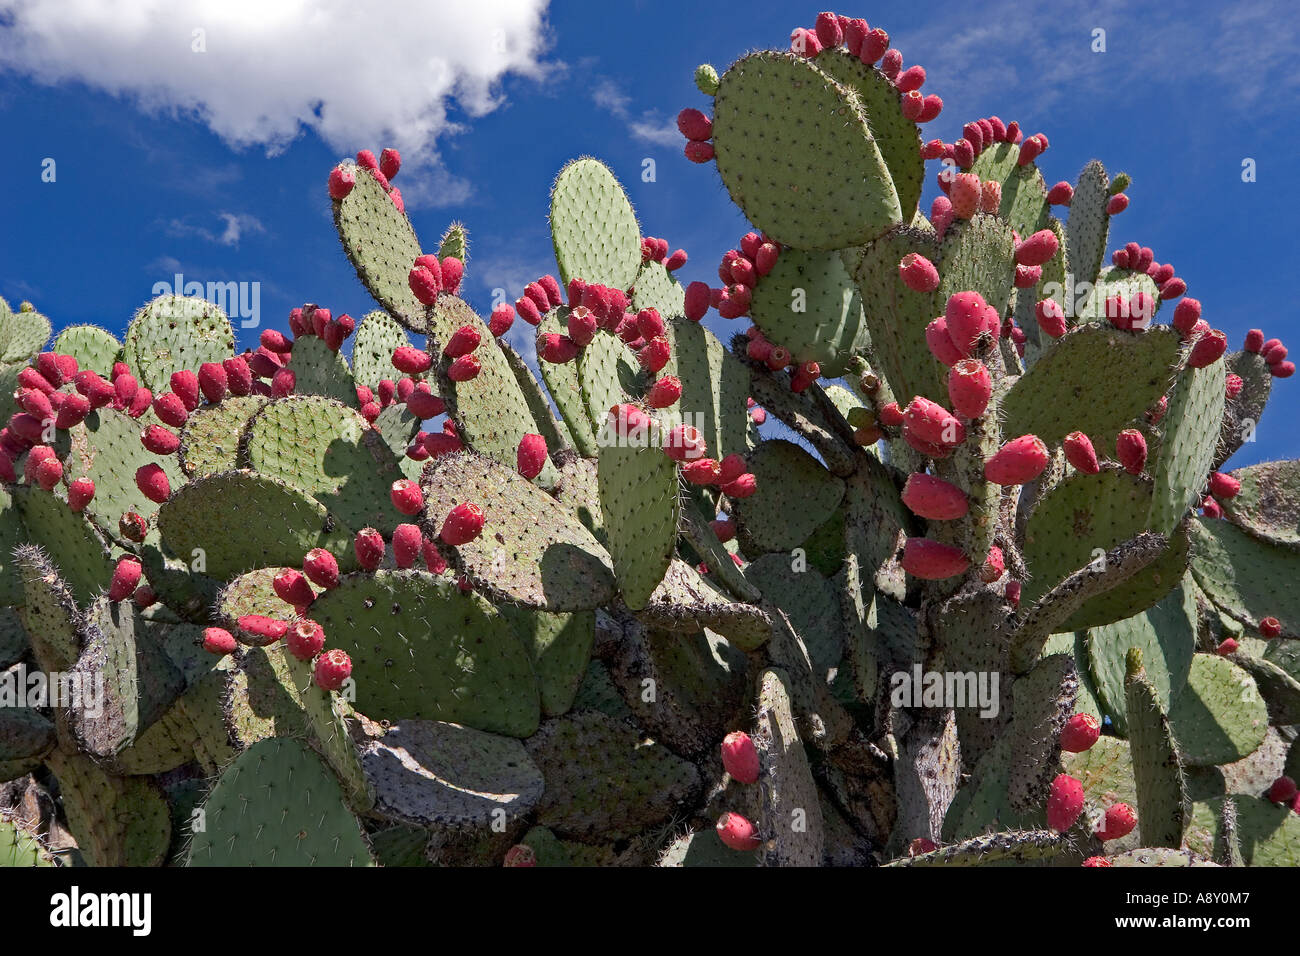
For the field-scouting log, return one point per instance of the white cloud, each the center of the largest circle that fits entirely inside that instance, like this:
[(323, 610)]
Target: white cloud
[(648, 126), (233, 228), (361, 75)]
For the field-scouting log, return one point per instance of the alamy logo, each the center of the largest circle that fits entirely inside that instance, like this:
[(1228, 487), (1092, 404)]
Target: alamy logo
[(957, 689), (74, 909), (241, 300), (68, 691)]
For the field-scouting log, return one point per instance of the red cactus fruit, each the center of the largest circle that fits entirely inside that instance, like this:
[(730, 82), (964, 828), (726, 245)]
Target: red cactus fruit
[(932, 560), (1080, 732), (462, 525), (1018, 461), (1064, 803)]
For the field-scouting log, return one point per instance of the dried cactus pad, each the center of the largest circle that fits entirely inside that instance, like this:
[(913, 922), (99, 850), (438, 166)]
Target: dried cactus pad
[(532, 551)]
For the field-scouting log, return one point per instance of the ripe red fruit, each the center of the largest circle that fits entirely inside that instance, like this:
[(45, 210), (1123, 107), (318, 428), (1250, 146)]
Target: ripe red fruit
[(741, 487), (369, 548), (1282, 369), (932, 560), (531, 456), (408, 543), (292, 587), (1208, 349), (890, 415), (740, 757), (694, 125), (390, 161), (994, 565), (332, 669), (213, 381), (697, 301), (1051, 318), (1065, 803), (1254, 339), (159, 440), (1028, 276), (968, 317), (737, 832), (413, 361), (970, 387), (463, 524), (152, 482), (1131, 450), (1116, 204), (239, 377), (684, 443), (965, 192), (555, 348), (918, 273), (1017, 461), (464, 368), (170, 410), (1061, 194), (930, 428), (283, 383), (1120, 821), (1270, 627), (654, 355), (1038, 248), (699, 152), (341, 182), (1224, 486), (1227, 646), (940, 342), (874, 46), (1283, 790), (664, 392), (701, 471), (1097, 862), (424, 284), (1080, 732), (453, 270), (305, 639), (500, 321), (80, 494), (1080, 453), (406, 496), (463, 341), (217, 640), (934, 499), (126, 578), (321, 567)]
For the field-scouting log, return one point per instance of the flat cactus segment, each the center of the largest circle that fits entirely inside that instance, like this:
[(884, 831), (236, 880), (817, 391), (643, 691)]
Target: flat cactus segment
[(1140, 590), (559, 645), (1267, 833), (382, 247), (1095, 380), (26, 736), (72, 543), (273, 694), (656, 288), (787, 137), (608, 375), (125, 661), (810, 305), (1088, 226), (107, 450), (1158, 856), (172, 333), (1166, 635), (277, 523), (876, 523), (1015, 846), (210, 438), (278, 805), (715, 386), (251, 593), (1241, 414), (455, 243), (696, 531), (1219, 716), (564, 384), (18, 849), (22, 334), (1268, 505), (556, 432), (703, 848), (1106, 771), (48, 611), (398, 427), (1190, 437), (422, 649), (12, 534), (640, 504), (785, 473), (330, 452), (898, 138), (593, 226), (318, 370), (13, 636), (977, 255), (1083, 516), (490, 410), (811, 602), (578, 490), (450, 778), (604, 781), (92, 347), (9, 385), (898, 316), (1113, 281), (117, 821), (1247, 578), (378, 337), (1043, 701), (997, 162), (1163, 805), (983, 803), (790, 817), (684, 601), (532, 551)]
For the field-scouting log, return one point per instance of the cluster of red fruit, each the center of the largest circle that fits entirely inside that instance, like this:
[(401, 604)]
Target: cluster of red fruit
[(740, 760), (1065, 800), (343, 178), (685, 445)]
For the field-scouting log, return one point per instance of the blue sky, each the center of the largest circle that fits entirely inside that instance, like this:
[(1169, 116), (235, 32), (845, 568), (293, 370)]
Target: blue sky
[(213, 164)]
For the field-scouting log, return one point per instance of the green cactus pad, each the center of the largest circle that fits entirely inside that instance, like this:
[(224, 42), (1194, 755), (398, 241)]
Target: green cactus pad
[(1219, 716), (320, 371), (378, 337), (555, 432), (578, 490), (107, 450), (278, 805), (22, 334), (1166, 635), (1106, 771), (641, 509), (72, 543), (790, 816), (593, 226), (1241, 414), (382, 247), (1043, 701), (1113, 281), (26, 736), (19, 849), (785, 134), (898, 316), (1268, 505), (563, 382), (597, 692), (172, 333), (532, 551), (1014, 847), (210, 438), (703, 848), (876, 522), (715, 385), (277, 523), (785, 473), (330, 452), (9, 385), (117, 821), (398, 427), (655, 288), (1267, 833), (685, 601), (608, 375), (455, 243), (1190, 436), (811, 602), (452, 778), (696, 530), (1247, 578), (1159, 857), (49, 612), (422, 649), (12, 534), (251, 593), (1280, 691), (977, 255), (1095, 380), (983, 804), (1088, 226), (898, 138), (13, 636), (123, 657), (604, 781), (809, 304), (1163, 805), (559, 645), (91, 346)]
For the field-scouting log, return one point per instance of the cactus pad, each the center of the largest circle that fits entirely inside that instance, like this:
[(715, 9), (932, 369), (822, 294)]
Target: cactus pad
[(1088, 226), (378, 337), (1268, 505), (172, 333), (91, 346), (593, 226), (639, 502), (1219, 716), (210, 438), (1247, 578), (785, 473), (1190, 437), (382, 247)]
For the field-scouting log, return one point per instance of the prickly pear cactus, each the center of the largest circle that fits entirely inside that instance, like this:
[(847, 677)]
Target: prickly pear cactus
[(380, 592)]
